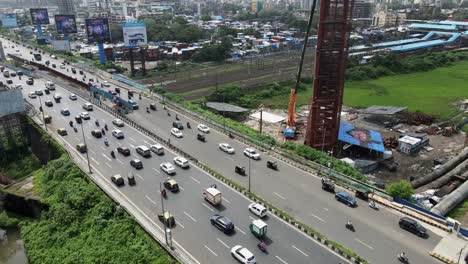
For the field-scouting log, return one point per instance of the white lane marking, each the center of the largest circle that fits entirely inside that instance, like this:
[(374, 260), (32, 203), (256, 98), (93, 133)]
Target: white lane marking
[(94, 153), (208, 207), (320, 219), (229, 158), (212, 252), (182, 188), (240, 230), (179, 224), (156, 170), (364, 243), (224, 244), (194, 179), (95, 161), (193, 219), (226, 200), (146, 142), (136, 157), (150, 199), (139, 176), (77, 139), (88, 137), (108, 165), (275, 193), (251, 217), (120, 161), (300, 251), (281, 260), (132, 146), (106, 157), (132, 139), (103, 148), (118, 143), (326, 209)]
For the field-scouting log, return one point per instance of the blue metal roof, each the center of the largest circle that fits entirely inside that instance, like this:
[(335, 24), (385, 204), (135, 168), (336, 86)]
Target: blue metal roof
[(396, 42), (420, 45), (433, 26), (457, 23), (361, 137)]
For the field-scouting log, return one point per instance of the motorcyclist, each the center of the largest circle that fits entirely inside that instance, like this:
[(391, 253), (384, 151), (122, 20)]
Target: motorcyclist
[(188, 124), (106, 142), (403, 256), (71, 123), (97, 122), (105, 126), (103, 131), (163, 193), (262, 246), (147, 110), (112, 154), (176, 117), (349, 224)]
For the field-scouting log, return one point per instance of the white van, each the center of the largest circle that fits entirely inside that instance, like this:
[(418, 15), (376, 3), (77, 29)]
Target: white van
[(158, 149), (143, 150), (50, 85)]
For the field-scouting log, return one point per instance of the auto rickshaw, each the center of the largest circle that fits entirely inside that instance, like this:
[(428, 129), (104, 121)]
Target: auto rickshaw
[(328, 185), (167, 219), (153, 106), (201, 137), (240, 170), (272, 165), (258, 228), (47, 119)]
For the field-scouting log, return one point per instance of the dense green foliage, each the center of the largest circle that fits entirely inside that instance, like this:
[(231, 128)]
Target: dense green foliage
[(22, 166), (392, 64), (283, 16), (116, 32), (83, 225), (461, 14), (161, 29), (402, 189), (8, 221)]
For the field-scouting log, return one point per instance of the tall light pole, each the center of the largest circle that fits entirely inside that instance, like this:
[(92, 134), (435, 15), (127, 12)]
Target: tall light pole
[(42, 112), (84, 141), (249, 173)]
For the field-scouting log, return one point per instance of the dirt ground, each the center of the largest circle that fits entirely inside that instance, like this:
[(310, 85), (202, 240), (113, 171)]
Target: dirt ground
[(416, 165)]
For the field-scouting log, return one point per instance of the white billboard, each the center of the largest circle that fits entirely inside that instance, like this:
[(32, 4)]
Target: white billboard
[(134, 34), (61, 45)]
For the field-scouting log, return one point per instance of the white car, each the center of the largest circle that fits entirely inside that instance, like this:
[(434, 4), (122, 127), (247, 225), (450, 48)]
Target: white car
[(118, 122), (167, 168), (203, 128), (176, 132), (87, 106), (85, 115), (57, 96), (243, 255), (73, 97), (252, 153), (32, 95), (105, 84), (257, 209), (181, 162), (118, 134), (62, 66), (226, 148), (53, 57)]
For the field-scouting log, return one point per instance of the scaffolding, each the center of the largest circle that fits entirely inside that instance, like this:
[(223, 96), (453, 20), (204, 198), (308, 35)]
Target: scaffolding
[(334, 27)]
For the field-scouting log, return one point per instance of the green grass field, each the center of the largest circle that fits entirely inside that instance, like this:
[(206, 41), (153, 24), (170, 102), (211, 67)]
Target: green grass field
[(434, 92)]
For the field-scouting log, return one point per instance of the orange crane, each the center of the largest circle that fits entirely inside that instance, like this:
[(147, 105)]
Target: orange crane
[(290, 131)]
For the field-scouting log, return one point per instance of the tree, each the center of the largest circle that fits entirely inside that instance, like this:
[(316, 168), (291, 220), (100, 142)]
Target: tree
[(48, 140), (402, 189), (205, 18), (116, 32), (216, 53)]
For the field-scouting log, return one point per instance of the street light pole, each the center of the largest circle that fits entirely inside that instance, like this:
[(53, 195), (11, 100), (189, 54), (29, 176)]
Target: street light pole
[(162, 200), (84, 141), (42, 112), (249, 173), (224, 114)]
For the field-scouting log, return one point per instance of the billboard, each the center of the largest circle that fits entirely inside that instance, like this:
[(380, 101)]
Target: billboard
[(66, 24), (97, 29), (39, 16), (61, 45), (8, 20), (134, 34)]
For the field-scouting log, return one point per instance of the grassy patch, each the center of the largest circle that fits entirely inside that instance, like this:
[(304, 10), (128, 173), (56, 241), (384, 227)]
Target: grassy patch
[(459, 211), (22, 167), (434, 92)]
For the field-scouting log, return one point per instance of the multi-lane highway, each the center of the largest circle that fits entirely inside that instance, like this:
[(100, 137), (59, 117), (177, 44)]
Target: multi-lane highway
[(193, 229), (378, 237)]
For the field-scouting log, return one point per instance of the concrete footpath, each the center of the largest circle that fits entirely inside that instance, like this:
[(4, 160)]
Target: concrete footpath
[(451, 249)]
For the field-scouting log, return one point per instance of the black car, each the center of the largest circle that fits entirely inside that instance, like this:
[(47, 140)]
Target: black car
[(131, 179), (222, 223), (78, 119), (73, 70), (20, 73), (9, 81), (13, 74), (54, 66), (96, 133), (178, 125), (49, 103), (30, 81), (136, 163), (412, 226), (123, 150)]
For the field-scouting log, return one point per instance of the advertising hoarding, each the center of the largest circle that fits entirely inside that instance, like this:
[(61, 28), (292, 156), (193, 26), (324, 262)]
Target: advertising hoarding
[(66, 24), (134, 34), (8, 20), (97, 30), (39, 16), (61, 45)]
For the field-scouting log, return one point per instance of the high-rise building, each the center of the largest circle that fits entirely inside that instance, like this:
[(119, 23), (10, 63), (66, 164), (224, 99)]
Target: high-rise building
[(66, 7), (362, 9)]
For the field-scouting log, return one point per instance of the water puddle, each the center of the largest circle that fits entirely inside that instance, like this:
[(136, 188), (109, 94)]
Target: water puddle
[(11, 247)]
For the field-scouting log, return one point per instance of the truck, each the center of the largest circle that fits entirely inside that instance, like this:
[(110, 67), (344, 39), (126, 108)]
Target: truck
[(212, 195)]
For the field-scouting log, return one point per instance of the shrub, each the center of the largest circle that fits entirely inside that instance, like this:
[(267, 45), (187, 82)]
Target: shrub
[(402, 189)]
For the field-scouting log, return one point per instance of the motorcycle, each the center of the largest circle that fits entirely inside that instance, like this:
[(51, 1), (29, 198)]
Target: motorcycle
[(230, 135), (177, 117), (164, 194), (103, 131), (262, 246), (106, 143), (76, 129), (113, 154), (97, 123), (147, 110), (168, 113), (188, 125), (105, 127), (403, 258), (373, 205), (71, 123), (350, 226)]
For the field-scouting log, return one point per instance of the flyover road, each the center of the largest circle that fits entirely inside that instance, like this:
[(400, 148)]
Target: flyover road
[(378, 237), (193, 230)]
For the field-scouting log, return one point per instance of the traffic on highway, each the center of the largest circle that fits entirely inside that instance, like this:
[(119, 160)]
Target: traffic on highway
[(377, 234)]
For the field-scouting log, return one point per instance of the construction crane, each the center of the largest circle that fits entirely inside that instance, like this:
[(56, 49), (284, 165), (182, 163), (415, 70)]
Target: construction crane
[(290, 131)]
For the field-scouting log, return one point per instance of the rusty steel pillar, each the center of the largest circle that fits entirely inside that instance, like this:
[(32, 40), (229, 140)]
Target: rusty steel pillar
[(334, 27)]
